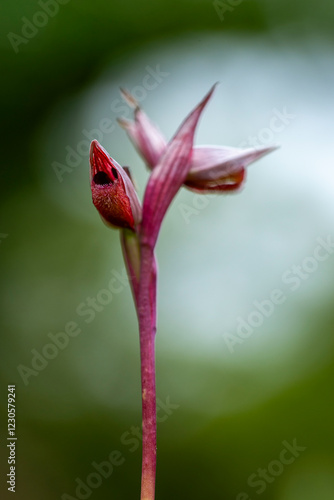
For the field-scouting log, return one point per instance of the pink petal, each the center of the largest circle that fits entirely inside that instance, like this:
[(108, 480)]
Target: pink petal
[(214, 163), (211, 166), (145, 136), (168, 176)]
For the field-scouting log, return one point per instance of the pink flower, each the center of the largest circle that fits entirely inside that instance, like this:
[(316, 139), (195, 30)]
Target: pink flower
[(173, 164), (113, 193), (212, 168)]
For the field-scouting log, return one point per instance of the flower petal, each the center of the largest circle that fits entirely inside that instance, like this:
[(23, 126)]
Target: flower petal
[(168, 176), (145, 136), (113, 193), (210, 163), (207, 163), (213, 168), (231, 183)]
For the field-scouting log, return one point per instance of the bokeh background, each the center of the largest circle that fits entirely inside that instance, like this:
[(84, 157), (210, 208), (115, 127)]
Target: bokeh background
[(229, 402)]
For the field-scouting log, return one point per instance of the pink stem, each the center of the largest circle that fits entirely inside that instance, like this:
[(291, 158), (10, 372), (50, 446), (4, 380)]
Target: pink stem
[(131, 254), (153, 295), (146, 300)]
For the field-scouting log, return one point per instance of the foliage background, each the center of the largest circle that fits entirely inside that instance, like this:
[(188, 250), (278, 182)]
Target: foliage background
[(235, 408)]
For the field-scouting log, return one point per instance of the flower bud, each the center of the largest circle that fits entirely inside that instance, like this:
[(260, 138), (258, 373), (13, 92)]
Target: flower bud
[(113, 193)]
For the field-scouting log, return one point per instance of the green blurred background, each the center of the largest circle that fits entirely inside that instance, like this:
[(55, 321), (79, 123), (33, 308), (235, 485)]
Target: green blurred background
[(234, 403)]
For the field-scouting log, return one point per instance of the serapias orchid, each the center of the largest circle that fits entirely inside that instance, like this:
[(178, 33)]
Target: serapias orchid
[(212, 168), (173, 164)]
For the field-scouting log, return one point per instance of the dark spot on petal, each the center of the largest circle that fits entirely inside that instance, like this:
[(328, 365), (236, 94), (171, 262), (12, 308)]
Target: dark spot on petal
[(101, 179), (114, 172)]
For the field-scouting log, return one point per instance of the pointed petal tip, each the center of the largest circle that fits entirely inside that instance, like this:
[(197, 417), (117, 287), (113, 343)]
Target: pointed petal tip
[(123, 123), (100, 160), (250, 155), (264, 150), (94, 148), (128, 98), (190, 123), (207, 97), (273, 147), (94, 144)]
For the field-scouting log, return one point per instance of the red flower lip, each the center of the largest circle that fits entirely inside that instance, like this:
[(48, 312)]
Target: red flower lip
[(101, 163), (113, 193)]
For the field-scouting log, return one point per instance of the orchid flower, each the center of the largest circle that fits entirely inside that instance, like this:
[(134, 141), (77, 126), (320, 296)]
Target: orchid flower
[(173, 164), (212, 168)]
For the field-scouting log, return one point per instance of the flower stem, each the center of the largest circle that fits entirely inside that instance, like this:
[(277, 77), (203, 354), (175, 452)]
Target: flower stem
[(146, 316), (131, 253)]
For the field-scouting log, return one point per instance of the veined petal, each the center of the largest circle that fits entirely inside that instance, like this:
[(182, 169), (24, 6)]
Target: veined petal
[(212, 168), (113, 193), (212, 163), (145, 136), (168, 176)]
